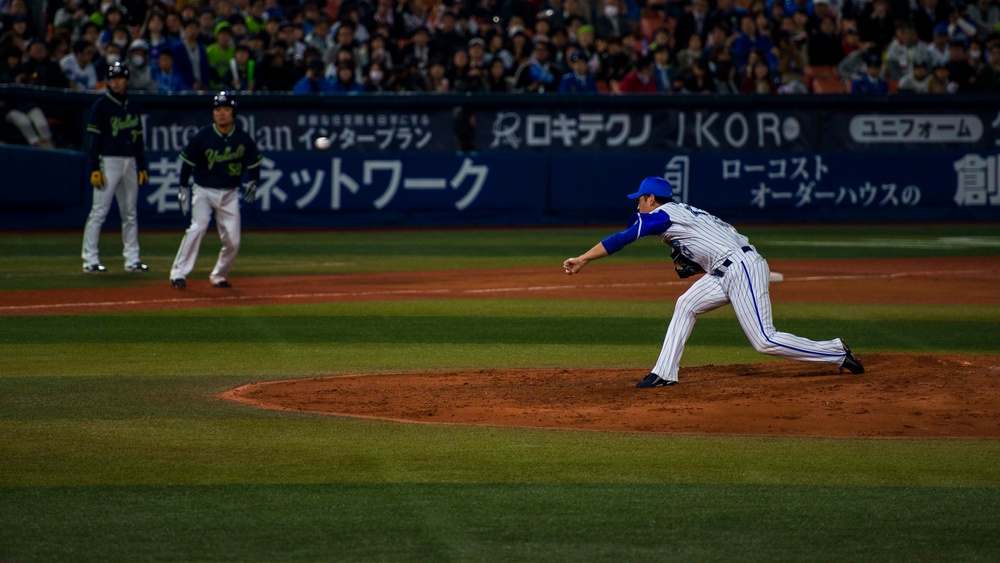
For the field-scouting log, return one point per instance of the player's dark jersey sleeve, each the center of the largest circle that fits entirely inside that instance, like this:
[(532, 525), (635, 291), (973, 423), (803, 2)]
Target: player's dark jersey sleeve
[(188, 162), (94, 136), (640, 225), (253, 160)]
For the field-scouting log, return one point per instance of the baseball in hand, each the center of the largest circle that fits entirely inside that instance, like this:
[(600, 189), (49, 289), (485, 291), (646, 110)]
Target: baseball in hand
[(322, 143)]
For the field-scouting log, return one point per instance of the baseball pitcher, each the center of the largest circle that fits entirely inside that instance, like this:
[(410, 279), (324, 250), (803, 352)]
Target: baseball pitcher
[(734, 273)]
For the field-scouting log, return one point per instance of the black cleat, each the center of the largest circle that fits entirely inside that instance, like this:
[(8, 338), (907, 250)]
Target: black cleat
[(178, 283), (851, 363), (224, 284), (653, 380), (137, 266), (94, 268)]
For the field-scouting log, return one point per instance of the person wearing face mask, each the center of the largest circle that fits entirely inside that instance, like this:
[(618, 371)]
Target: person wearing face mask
[(138, 64), (612, 21), (375, 79)]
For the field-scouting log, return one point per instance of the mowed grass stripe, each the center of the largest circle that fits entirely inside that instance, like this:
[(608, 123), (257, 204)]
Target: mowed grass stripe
[(496, 522), (260, 447), (901, 335)]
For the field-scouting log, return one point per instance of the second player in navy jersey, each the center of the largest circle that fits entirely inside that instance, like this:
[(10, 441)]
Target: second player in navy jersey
[(219, 157), (736, 274)]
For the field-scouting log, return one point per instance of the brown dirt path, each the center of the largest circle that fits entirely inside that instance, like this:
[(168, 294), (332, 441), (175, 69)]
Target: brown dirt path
[(901, 395)]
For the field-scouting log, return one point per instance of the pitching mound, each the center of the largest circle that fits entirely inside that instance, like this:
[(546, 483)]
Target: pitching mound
[(900, 395)]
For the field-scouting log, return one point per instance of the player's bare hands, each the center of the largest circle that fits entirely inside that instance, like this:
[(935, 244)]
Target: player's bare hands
[(574, 265)]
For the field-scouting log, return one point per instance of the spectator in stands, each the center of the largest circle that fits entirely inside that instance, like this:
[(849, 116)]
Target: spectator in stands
[(699, 82), (791, 59), (725, 14), (536, 75), (663, 70), (377, 80), (870, 82), (824, 45), (255, 19), (241, 74), (437, 80), (71, 16), (985, 15), (206, 26), (615, 63), (960, 71), (190, 59), (853, 65), (154, 32), (520, 46), (495, 49), (112, 54), (928, 14), (749, 40), (497, 80), (219, 54), (640, 80), (40, 70), (112, 21), (692, 23), (315, 80), (78, 66), (722, 72), (319, 37), (26, 117), (989, 77), (173, 27), (448, 38), (876, 25), (163, 74), (612, 21), (916, 80), (939, 82), (141, 76), (903, 52), (760, 80), (851, 41), (578, 80), (419, 50), (688, 55)]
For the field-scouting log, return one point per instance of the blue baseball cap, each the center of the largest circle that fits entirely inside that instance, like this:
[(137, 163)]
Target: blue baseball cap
[(654, 185)]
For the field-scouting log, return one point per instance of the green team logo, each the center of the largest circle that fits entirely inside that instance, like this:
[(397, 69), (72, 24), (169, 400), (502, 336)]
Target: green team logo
[(128, 122), (213, 156)]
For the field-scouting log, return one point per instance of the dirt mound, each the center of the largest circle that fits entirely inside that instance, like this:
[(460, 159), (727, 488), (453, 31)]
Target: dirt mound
[(900, 395)]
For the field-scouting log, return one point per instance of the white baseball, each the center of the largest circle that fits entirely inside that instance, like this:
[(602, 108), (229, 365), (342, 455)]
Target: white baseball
[(322, 143)]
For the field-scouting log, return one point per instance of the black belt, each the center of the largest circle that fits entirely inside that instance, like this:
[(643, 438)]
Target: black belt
[(721, 270)]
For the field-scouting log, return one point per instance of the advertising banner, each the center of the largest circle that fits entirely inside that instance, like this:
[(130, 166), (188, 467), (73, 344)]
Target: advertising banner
[(733, 130), (281, 130), (328, 189), (940, 186)]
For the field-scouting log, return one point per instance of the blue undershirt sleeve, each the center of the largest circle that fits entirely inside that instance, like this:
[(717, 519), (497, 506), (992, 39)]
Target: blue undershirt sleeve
[(640, 225)]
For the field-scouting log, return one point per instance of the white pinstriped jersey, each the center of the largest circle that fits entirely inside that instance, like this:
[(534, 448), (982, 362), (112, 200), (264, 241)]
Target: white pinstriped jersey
[(701, 236)]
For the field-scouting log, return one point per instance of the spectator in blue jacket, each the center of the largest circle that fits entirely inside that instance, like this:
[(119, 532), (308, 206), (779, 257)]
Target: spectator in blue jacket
[(749, 40), (870, 81), (163, 74), (315, 81), (347, 82), (578, 80), (190, 59)]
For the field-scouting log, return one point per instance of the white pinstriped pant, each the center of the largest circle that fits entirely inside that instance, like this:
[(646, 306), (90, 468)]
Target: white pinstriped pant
[(745, 284)]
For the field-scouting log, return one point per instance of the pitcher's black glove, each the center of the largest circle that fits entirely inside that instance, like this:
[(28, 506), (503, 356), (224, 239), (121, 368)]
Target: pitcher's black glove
[(684, 266)]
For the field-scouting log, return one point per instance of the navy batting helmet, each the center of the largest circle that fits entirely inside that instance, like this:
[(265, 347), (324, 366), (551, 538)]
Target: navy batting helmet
[(223, 99), (117, 70)]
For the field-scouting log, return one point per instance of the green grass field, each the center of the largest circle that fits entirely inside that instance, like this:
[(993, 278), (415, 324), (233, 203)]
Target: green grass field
[(113, 447)]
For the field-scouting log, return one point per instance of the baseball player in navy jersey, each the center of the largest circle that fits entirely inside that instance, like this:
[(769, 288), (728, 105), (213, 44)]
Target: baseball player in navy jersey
[(118, 164), (219, 155), (701, 242)]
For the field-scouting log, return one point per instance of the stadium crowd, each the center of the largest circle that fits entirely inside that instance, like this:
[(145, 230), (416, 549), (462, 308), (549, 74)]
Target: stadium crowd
[(538, 46)]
